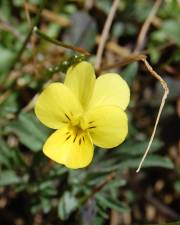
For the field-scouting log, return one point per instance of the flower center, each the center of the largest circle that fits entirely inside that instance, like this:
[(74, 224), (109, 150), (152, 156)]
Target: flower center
[(75, 121), (78, 122)]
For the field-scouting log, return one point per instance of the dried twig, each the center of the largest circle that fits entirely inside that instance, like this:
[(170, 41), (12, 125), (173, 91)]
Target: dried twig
[(142, 58), (31, 104), (166, 92), (129, 59), (49, 15), (105, 33), (146, 25)]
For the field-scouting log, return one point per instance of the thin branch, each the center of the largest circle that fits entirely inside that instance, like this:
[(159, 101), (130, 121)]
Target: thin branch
[(105, 32), (142, 58), (166, 92), (30, 105), (146, 25), (62, 44), (49, 15), (129, 59)]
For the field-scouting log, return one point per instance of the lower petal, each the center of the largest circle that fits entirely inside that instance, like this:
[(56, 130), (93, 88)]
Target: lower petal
[(70, 146), (107, 125)]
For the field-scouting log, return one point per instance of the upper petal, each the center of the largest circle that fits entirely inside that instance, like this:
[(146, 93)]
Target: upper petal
[(56, 106), (107, 125), (110, 89), (81, 79), (70, 148)]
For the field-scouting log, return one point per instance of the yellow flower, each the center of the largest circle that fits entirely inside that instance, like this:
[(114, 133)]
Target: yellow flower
[(84, 110)]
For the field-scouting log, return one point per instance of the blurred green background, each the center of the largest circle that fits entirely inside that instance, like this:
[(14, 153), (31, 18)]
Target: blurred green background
[(33, 189)]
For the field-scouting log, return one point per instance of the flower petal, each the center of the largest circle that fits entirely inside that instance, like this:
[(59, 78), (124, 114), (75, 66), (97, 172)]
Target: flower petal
[(107, 125), (110, 89), (56, 106), (81, 79), (70, 148)]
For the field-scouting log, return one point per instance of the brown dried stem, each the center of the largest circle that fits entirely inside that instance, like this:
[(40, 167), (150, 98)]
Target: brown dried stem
[(125, 61), (166, 92), (49, 15), (142, 58), (146, 25), (105, 32)]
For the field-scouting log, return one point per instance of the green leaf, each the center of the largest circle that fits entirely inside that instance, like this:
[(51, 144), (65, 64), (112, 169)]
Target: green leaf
[(177, 186), (112, 203), (67, 204), (132, 163), (150, 161), (94, 178), (174, 90), (6, 56), (172, 30), (29, 130), (134, 147), (47, 188), (103, 5), (117, 183), (130, 72), (57, 171), (9, 157), (118, 29), (5, 154), (99, 220), (8, 177), (154, 54), (5, 9), (9, 105), (46, 204), (102, 212)]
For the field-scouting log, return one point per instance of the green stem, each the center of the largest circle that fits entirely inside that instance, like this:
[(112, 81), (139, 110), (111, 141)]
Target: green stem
[(36, 21), (64, 65), (62, 44)]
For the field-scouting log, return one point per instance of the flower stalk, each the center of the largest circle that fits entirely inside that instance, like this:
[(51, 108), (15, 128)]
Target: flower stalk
[(60, 43)]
